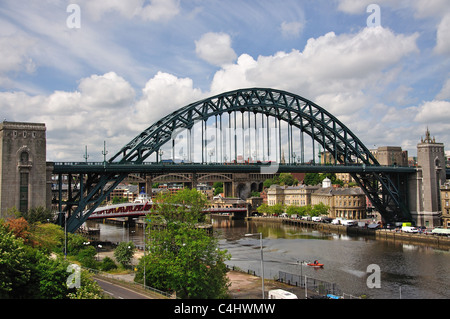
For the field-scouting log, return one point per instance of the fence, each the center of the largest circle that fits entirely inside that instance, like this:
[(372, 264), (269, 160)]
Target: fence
[(321, 287), (115, 278)]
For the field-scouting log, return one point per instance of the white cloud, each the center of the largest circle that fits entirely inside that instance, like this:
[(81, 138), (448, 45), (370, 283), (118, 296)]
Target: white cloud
[(442, 36), (433, 112), (163, 94), (100, 110), (160, 10), (215, 48), (156, 10), (445, 92), (108, 91), (291, 29), (330, 64)]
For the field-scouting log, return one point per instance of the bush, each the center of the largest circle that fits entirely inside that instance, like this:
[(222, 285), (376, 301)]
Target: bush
[(107, 264)]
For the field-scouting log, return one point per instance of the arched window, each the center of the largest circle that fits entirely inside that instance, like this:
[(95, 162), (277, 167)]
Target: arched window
[(24, 157)]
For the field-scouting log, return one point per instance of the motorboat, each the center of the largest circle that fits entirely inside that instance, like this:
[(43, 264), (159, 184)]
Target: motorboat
[(315, 264)]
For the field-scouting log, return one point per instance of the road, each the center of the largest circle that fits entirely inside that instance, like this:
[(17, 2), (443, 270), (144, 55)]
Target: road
[(119, 292)]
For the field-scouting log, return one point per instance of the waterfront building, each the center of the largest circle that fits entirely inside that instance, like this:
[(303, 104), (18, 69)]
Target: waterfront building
[(343, 202), (445, 204), (206, 190), (290, 195), (25, 176)]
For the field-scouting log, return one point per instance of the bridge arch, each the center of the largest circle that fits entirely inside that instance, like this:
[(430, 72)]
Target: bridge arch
[(324, 129), (293, 109)]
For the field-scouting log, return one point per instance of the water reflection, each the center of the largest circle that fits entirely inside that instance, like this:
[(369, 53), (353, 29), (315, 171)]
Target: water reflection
[(419, 271)]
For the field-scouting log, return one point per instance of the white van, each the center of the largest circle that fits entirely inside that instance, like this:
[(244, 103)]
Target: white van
[(409, 229), (317, 219), (336, 221), (281, 294), (348, 222)]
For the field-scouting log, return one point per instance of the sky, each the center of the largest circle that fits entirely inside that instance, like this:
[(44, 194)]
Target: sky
[(98, 71)]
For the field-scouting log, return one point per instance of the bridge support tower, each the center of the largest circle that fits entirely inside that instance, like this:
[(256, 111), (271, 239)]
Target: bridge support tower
[(424, 185)]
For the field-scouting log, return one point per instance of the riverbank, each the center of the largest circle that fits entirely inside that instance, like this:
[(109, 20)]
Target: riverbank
[(379, 234), (242, 285)]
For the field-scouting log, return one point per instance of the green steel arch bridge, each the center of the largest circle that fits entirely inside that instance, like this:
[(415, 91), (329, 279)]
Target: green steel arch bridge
[(246, 130)]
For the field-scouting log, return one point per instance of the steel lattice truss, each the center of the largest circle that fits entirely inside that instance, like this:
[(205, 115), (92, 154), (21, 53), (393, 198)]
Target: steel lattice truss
[(310, 118), (295, 110)]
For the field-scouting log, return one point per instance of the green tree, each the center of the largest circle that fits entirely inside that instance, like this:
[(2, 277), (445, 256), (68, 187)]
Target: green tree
[(263, 209), (293, 210), (218, 190), (320, 209), (14, 265), (36, 215), (124, 253), (182, 256), (277, 209)]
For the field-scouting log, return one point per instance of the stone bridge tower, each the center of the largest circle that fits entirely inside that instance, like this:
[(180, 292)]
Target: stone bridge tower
[(424, 186), (24, 175)]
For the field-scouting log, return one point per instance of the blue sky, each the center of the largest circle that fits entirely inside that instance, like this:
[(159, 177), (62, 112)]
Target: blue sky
[(132, 62)]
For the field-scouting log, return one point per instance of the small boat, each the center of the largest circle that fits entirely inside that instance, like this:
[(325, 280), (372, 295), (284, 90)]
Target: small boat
[(315, 264)]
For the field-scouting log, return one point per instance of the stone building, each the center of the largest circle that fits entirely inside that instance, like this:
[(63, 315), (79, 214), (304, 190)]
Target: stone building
[(391, 156), (445, 204), (424, 186), (25, 176), (290, 195), (343, 202)]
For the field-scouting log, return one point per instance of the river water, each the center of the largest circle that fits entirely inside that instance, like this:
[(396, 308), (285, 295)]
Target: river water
[(405, 271)]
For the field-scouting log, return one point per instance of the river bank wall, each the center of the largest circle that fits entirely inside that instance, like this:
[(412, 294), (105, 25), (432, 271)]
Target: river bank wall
[(379, 234)]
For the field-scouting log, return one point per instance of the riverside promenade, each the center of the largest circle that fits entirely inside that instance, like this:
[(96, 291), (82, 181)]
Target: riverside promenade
[(381, 234)]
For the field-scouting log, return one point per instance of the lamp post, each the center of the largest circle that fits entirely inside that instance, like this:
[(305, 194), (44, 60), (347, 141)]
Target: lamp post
[(262, 260)]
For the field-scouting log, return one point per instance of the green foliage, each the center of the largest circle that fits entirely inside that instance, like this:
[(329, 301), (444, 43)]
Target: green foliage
[(316, 178), (282, 179), (124, 253), (36, 215), (218, 190), (319, 210), (183, 257), (107, 264), (28, 271), (86, 257), (271, 210), (89, 289), (118, 200)]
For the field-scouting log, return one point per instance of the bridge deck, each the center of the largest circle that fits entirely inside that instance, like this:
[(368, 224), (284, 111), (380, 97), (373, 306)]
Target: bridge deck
[(100, 167)]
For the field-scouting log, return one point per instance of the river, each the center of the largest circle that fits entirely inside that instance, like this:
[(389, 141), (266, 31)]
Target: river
[(405, 271)]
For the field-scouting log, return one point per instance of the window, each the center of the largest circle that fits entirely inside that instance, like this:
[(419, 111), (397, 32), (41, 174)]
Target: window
[(24, 157), (23, 192)]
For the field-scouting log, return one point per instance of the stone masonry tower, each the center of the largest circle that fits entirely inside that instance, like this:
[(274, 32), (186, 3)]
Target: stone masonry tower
[(424, 194), (23, 167)]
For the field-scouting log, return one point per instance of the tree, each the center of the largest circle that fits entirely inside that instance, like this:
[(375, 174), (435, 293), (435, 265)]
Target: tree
[(293, 210), (124, 252), (263, 209), (277, 209), (320, 209), (182, 256), (36, 215)]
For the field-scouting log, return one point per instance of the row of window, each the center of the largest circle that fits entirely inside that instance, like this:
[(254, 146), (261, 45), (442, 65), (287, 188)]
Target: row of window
[(25, 134)]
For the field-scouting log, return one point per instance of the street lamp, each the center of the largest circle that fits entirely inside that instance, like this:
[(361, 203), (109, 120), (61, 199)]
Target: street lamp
[(262, 260)]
